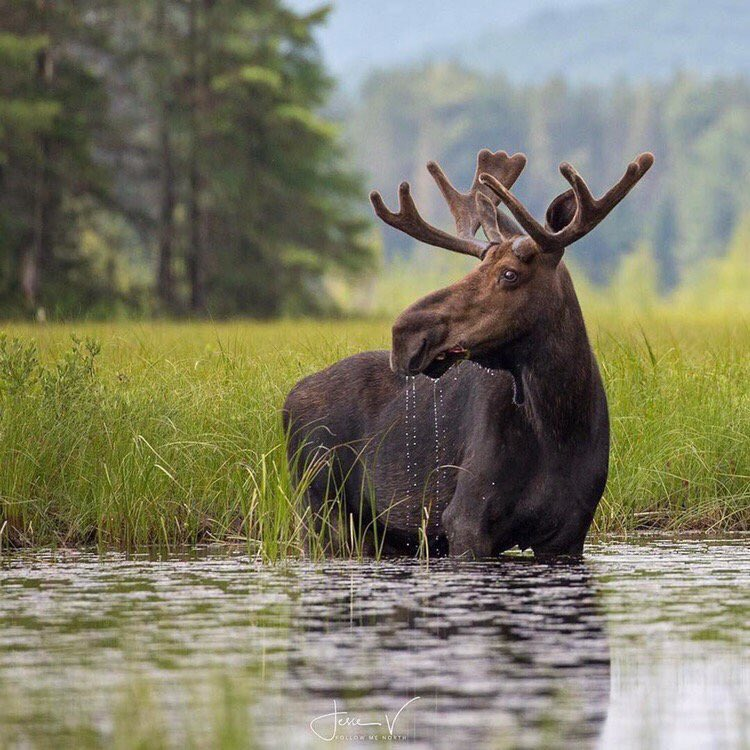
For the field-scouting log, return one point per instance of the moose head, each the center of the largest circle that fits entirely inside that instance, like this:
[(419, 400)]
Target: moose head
[(520, 284)]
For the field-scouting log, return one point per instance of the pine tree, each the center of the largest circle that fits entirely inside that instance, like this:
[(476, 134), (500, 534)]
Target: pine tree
[(51, 105), (270, 209), (254, 204)]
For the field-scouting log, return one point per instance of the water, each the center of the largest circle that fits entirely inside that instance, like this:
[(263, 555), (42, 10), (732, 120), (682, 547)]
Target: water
[(438, 410), (410, 435), (645, 644)]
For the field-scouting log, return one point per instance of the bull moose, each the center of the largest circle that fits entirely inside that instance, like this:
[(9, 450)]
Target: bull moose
[(486, 426)]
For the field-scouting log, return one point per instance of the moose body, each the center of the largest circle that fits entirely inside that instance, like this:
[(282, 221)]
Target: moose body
[(486, 425)]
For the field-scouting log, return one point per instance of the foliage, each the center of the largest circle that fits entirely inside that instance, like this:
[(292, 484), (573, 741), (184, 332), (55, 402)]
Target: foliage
[(724, 283), (687, 207), (171, 433), (52, 106), (169, 149)]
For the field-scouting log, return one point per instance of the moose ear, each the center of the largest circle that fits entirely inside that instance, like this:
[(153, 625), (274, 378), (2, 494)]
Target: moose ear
[(561, 211)]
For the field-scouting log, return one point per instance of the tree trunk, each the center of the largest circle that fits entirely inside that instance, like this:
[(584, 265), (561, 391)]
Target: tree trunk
[(38, 258), (196, 256), (165, 275), (165, 281)]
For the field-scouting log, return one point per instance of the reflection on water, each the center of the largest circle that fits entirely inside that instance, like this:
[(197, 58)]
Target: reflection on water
[(643, 645), (489, 648)]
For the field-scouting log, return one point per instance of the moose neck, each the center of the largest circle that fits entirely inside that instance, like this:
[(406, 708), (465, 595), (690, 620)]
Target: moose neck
[(556, 369)]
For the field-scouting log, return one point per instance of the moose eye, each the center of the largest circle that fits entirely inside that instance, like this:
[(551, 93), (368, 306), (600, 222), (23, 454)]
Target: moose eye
[(509, 276)]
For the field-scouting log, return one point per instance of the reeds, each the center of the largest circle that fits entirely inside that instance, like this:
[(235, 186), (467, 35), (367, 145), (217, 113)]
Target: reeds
[(169, 434)]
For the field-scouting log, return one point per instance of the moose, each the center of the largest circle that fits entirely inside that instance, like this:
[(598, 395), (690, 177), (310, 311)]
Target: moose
[(486, 426)]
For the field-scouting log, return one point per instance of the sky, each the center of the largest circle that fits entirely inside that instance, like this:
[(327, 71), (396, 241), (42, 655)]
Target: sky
[(362, 34)]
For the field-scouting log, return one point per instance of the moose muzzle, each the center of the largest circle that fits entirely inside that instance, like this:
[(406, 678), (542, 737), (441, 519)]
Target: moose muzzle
[(416, 343)]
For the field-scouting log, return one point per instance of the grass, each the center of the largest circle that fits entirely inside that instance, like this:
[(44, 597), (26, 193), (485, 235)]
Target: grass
[(168, 433)]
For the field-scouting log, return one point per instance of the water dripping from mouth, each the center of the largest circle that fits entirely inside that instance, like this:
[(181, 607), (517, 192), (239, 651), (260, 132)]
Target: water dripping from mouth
[(435, 389), (407, 437), (414, 428), (488, 370)]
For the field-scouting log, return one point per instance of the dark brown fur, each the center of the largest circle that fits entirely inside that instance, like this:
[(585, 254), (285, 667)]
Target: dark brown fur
[(508, 448)]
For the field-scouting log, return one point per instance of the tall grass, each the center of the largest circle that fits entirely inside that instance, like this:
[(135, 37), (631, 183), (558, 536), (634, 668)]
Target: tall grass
[(167, 434)]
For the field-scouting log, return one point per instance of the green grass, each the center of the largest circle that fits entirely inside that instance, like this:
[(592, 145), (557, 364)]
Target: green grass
[(171, 433)]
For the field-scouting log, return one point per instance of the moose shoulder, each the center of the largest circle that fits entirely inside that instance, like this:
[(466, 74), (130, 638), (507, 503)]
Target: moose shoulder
[(486, 425)]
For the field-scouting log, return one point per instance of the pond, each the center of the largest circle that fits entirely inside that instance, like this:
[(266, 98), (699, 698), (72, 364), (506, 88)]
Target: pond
[(643, 644)]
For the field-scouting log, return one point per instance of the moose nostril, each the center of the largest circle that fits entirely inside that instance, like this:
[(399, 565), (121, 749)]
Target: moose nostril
[(416, 359)]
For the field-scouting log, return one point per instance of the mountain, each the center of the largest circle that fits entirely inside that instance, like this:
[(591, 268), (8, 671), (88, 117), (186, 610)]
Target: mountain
[(633, 40), (533, 40), (362, 35)]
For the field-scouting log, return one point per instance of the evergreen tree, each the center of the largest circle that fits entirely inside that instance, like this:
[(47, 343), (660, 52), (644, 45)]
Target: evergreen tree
[(51, 106), (185, 134), (270, 208), (687, 208), (254, 204)]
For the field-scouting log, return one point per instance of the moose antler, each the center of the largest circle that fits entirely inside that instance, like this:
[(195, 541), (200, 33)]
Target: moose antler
[(470, 210), (589, 211)]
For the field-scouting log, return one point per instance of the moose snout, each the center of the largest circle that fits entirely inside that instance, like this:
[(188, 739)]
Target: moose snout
[(414, 346)]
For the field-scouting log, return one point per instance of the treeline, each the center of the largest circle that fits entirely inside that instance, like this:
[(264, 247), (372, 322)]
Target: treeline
[(685, 212), (169, 156)]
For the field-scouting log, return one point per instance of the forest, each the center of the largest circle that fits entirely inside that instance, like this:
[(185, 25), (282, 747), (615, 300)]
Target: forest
[(193, 158), (168, 157), (687, 212)]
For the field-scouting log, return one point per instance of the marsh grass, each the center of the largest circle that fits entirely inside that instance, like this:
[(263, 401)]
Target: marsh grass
[(140, 434)]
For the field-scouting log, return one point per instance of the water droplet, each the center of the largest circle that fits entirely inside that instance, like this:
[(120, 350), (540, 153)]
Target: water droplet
[(414, 428), (407, 437), (437, 439)]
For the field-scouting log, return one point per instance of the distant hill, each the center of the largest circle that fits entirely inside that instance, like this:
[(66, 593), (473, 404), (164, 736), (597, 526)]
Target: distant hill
[(634, 40), (361, 35), (530, 41), (687, 210)]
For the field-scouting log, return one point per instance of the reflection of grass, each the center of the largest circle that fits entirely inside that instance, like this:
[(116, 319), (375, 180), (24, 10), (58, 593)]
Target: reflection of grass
[(171, 434), (135, 718), (147, 712)]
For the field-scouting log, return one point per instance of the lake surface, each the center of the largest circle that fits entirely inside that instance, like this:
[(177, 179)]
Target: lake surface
[(644, 644)]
